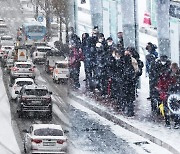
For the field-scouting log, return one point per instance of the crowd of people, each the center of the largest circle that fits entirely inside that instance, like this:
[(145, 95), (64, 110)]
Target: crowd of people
[(114, 71), (164, 80)]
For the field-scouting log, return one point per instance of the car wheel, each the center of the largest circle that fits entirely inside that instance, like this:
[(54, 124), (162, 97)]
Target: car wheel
[(25, 151), (20, 114), (54, 80), (49, 116)]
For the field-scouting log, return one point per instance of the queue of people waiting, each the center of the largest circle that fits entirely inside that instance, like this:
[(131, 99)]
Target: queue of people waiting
[(114, 71)]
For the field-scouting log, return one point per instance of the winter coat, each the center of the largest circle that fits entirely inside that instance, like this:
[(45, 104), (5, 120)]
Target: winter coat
[(128, 78), (75, 57), (164, 82), (87, 52)]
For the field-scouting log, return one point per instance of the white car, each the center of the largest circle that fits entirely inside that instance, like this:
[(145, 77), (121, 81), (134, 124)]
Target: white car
[(60, 71), (45, 138), (21, 70), (18, 84), (7, 40), (39, 55), (3, 29)]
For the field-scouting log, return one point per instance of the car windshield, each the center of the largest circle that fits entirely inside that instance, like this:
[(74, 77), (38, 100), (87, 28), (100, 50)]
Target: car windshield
[(23, 65), (44, 50), (36, 92), (48, 132), (35, 29), (40, 44), (62, 65), (22, 83)]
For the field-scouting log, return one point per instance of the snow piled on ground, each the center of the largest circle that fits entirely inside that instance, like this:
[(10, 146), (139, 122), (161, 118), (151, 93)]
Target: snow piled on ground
[(8, 143)]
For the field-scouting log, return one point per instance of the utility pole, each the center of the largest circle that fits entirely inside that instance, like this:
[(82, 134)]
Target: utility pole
[(96, 12), (37, 9), (130, 24), (48, 22), (163, 27)]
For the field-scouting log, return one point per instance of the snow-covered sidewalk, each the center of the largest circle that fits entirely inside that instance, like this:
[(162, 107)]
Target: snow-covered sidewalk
[(8, 143), (143, 122)]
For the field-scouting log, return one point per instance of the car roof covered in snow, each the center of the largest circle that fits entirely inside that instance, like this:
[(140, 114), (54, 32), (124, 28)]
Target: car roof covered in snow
[(43, 47), (53, 126), (24, 79), (36, 87), (23, 62)]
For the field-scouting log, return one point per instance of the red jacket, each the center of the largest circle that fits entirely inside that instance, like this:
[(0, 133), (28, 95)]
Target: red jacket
[(75, 57), (163, 84)]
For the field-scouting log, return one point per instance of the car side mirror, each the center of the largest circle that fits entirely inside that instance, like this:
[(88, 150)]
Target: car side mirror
[(16, 92), (66, 131), (25, 131), (10, 85), (34, 66), (50, 92)]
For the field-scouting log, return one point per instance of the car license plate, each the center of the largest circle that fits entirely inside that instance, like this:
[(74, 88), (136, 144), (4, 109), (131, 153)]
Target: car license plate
[(48, 144), (36, 102)]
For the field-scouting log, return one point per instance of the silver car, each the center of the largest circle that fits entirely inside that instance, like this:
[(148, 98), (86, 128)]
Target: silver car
[(22, 69), (45, 138)]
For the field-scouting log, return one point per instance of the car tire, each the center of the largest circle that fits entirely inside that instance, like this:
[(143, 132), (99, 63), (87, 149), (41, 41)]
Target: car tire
[(53, 80), (20, 114), (49, 115), (25, 151)]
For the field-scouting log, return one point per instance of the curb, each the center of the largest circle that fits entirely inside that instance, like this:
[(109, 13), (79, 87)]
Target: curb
[(125, 125)]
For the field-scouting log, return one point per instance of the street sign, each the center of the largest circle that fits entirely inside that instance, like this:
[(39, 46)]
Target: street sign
[(40, 18)]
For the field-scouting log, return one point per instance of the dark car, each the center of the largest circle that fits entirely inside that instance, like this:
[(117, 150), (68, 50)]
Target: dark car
[(34, 99)]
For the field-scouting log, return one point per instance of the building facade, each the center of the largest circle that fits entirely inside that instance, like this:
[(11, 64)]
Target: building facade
[(174, 13), (106, 14)]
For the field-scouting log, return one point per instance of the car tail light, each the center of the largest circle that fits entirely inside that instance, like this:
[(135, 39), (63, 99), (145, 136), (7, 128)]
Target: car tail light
[(31, 69), (56, 71), (51, 68), (61, 141), (36, 141), (15, 69), (24, 98), (15, 88)]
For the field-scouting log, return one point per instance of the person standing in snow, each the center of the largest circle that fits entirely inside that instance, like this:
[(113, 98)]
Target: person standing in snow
[(99, 64), (88, 60), (156, 69), (129, 69), (75, 57), (163, 84), (150, 58)]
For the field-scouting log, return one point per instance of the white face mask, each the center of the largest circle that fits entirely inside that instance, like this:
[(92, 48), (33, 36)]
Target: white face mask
[(109, 43), (163, 62), (70, 33), (100, 40), (113, 54), (98, 45)]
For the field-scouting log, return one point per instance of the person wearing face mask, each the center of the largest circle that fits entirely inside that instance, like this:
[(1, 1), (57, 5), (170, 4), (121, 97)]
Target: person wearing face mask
[(129, 69), (99, 65), (88, 60), (156, 69)]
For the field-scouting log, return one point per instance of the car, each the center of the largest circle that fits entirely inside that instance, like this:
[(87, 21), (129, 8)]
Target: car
[(3, 29), (35, 45), (39, 55), (60, 71), (7, 40), (21, 70), (45, 138), (5, 52), (34, 99), (2, 20), (18, 84)]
